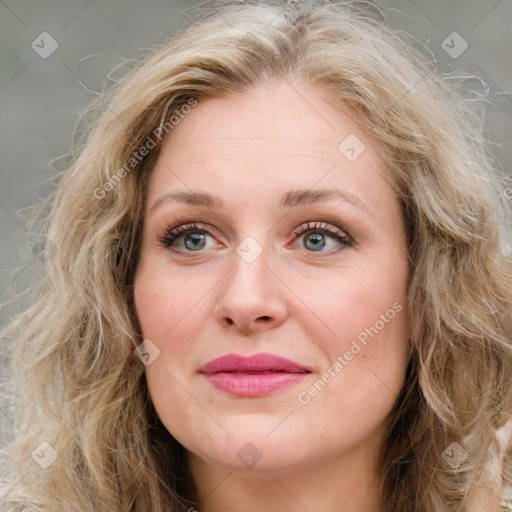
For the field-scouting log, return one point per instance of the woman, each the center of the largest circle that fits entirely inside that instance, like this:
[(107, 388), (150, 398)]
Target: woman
[(298, 297)]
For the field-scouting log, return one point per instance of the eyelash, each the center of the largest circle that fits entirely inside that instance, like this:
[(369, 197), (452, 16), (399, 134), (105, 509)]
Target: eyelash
[(172, 233)]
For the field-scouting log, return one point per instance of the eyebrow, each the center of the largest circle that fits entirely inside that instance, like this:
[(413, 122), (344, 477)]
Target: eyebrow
[(289, 199)]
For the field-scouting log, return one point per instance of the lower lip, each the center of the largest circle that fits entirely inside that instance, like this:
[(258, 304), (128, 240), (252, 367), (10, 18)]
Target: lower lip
[(249, 385)]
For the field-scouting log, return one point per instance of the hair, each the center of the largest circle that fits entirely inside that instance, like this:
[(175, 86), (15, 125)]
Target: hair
[(73, 380)]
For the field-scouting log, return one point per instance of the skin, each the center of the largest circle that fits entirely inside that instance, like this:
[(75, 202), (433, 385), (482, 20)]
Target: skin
[(294, 301)]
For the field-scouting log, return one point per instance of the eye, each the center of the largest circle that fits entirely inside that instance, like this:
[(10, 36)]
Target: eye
[(314, 234), (193, 234), (193, 237)]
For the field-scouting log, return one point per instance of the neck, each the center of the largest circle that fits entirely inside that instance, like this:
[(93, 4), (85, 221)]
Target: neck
[(346, 483)]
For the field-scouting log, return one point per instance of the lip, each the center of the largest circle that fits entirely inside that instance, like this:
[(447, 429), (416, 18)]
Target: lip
[(257, 375)]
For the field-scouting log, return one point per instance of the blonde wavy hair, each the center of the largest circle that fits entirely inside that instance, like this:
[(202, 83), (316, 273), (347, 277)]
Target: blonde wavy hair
[(73, 380)]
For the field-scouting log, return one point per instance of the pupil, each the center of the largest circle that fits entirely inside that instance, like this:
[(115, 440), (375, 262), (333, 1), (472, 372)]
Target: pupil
[(195, 238), (316, 239)]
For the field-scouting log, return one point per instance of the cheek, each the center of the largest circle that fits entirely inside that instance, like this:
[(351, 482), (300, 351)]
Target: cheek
[(162, 317), (367, 360), (173, 309), (356, 298), (163, 301), (363, 318)]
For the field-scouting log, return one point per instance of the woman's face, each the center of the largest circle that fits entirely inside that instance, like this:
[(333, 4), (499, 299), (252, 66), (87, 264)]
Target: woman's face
[(299, 252)]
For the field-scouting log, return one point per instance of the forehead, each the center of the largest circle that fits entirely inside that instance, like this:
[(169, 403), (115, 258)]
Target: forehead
[(268, 140)]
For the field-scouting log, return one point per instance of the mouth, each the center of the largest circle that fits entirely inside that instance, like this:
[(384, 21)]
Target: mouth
[(256, 364), (253, 376), (259, 373)]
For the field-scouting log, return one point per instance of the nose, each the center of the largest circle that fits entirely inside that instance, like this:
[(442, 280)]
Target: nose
[(251, 298)]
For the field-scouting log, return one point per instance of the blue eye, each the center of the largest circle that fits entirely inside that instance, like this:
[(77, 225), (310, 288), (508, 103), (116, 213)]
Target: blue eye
[(194, 236), (315, 233)]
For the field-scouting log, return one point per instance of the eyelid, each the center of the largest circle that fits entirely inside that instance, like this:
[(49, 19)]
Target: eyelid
[(326, 227), (180, 227)]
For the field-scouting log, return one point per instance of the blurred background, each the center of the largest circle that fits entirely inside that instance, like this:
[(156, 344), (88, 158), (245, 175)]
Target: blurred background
[(55, 57)]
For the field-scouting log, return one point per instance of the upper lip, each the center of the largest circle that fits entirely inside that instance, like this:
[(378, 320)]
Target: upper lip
[(255, 363)]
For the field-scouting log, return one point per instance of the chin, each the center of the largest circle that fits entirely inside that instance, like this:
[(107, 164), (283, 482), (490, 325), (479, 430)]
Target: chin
[(253, 454)]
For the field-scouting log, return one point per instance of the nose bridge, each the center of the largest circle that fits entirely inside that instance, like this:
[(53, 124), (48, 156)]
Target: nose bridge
[(252, 254), (250, 272), (250, 298)]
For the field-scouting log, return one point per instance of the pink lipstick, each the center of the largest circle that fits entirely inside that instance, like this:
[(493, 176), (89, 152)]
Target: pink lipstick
[(258, 375)]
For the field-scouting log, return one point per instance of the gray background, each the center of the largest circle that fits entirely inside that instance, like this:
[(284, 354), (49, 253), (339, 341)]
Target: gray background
[(41, 99)]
